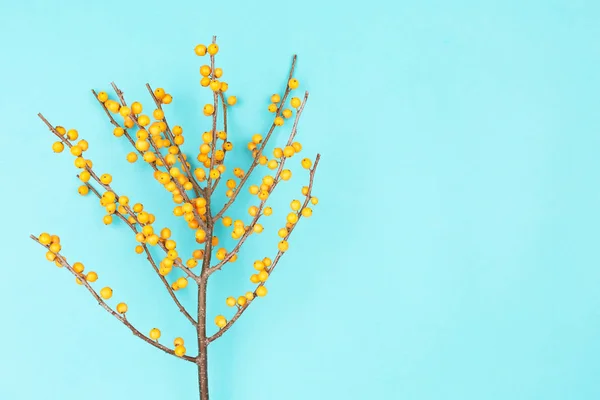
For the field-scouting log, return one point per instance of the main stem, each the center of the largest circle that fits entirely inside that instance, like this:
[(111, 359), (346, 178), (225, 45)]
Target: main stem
[(202, 360)]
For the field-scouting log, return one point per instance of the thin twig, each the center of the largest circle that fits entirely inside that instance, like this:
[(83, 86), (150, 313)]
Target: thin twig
[(261, 148), (151, 261), (171, 137), (276, 181), (243, 308), (120, 317)]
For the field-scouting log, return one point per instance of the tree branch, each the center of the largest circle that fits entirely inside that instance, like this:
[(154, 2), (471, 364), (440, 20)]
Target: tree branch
[(276, 181), (243, 308), (107, 187), (260, 150), (151, 261), (171, 136), (120, 317)]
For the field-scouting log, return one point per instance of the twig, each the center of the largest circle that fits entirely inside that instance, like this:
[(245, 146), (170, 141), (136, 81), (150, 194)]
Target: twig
[(151, 261), (162, 159), (260, 150), (243, 308), (115, 314), (171, 136), (107, 187), (276, 181)]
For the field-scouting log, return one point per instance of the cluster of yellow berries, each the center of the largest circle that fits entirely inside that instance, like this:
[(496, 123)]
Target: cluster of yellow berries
[(204, 155), (239, 228), (175, 182), (180, 349), (276, 104), (211, 78), (151, 136), (52, 242)]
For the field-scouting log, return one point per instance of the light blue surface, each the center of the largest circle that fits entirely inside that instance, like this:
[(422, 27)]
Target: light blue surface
[(454, 254)]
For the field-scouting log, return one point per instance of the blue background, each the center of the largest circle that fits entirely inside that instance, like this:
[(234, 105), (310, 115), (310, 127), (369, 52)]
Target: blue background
[(454, 253)]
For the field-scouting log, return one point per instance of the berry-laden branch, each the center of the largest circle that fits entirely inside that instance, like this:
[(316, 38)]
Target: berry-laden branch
[(160, 145), (105, 293), (269, 270), (150, 260)]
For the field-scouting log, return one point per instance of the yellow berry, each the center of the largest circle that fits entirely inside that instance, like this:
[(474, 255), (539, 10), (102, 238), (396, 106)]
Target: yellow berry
[(254, 278), (306, 212), (230, 301), (182, 282), (286, 113), (91, 276), (102, 96), (132, 157), (288, 151), (261, 291), (314, 200), (268, 211), (136, 107), (72, 134), (293, 83), (286, 174), (283, 246), (249, 295), (242, 300), (259, 265), (180, 351), (107, 219), (231, 100), (122, 308), (45, 239), (83, 190), (178, 341), (295, 102), (200, 50), (155, 333), (167, 99), (272, 107), (275, 98), (106, 179), (306, 163), (205, 70), (213, 49), (292, 218), (215, 85), (220, 321), (76, 150), (124, 111), (106, 293), (208, 109), (78, 267)]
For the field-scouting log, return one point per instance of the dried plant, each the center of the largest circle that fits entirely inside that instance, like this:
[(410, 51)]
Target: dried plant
[(193, 189)]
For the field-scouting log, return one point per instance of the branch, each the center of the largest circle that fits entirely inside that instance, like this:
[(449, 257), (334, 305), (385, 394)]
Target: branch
[(117, 125), (243, 308), (179, 264), (214, 129), (196, 185), (262, 203), (120, 317), (151, 261), (161, 158), (260, 150)]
